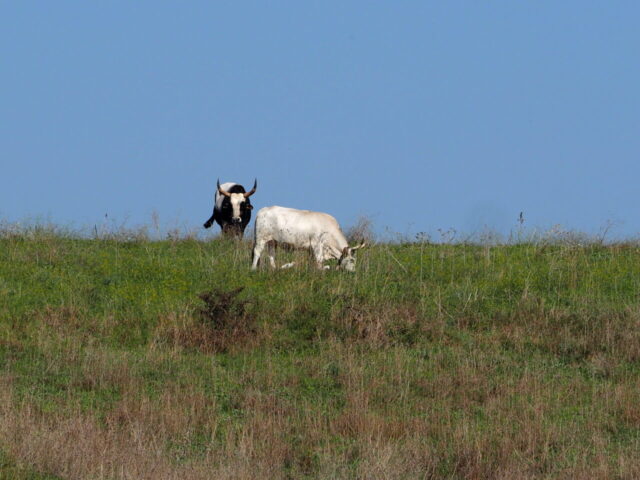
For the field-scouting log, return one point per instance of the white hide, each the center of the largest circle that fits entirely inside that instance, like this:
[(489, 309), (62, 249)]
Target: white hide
[(316, 231)]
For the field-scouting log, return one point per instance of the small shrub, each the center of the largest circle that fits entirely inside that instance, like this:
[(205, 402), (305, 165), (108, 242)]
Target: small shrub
[(226, 317), (220, 325), (361, 231), (222, 309)]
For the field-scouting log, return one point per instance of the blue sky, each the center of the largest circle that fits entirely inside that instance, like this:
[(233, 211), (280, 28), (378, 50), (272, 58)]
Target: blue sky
[(420, 115)]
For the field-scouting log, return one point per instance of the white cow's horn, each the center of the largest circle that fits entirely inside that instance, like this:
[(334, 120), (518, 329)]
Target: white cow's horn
[(222, 192)]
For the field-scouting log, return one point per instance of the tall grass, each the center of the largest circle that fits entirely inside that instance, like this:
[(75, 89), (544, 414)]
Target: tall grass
[(122, 357)]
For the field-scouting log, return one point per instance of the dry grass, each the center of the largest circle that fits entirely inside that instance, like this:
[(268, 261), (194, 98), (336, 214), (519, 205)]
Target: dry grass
[(152, 435), (430, 362)]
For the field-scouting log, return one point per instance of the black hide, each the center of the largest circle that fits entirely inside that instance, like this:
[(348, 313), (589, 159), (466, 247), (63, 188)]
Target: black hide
[(223, 216)]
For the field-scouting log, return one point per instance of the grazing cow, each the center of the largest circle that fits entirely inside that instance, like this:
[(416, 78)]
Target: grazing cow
[(232, 208), (316, 231)]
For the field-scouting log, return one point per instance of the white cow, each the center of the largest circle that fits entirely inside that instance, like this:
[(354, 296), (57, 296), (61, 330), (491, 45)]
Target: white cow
[(316, 231)]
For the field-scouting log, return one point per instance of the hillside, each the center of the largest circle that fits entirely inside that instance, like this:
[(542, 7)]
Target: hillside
[(131, 358)]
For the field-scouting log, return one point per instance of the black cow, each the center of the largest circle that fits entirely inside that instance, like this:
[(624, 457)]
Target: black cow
[(232, 208)]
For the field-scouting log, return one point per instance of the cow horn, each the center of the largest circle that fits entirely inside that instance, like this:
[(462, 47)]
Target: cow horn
[(362, 245), (222, 192), (253, 190)]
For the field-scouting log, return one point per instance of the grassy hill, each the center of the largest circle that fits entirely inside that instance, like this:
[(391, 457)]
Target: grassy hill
[(130, 358)]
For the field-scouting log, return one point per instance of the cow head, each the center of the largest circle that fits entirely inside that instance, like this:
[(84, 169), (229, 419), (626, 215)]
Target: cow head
[(347, 260), (239, 202)]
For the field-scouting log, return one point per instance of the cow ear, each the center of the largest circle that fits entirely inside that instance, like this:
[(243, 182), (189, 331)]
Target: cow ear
[(345, 251)]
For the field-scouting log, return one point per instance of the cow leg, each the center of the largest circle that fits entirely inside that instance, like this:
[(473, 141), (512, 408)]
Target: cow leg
[(271, 248), (234, 231), (318, 253), (257, 251)]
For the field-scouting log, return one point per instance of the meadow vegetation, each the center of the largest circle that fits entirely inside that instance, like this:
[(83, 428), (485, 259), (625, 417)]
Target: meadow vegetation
[(123, 357)]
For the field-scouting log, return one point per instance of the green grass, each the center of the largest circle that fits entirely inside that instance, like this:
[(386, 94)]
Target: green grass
[(431, 361), (9, 471)]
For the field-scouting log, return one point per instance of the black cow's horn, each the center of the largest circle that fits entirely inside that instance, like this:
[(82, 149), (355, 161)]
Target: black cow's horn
[(253, 190), (222, 192)]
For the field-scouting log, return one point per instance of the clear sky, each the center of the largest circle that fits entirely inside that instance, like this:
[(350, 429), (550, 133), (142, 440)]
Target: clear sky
[(421, 115)]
